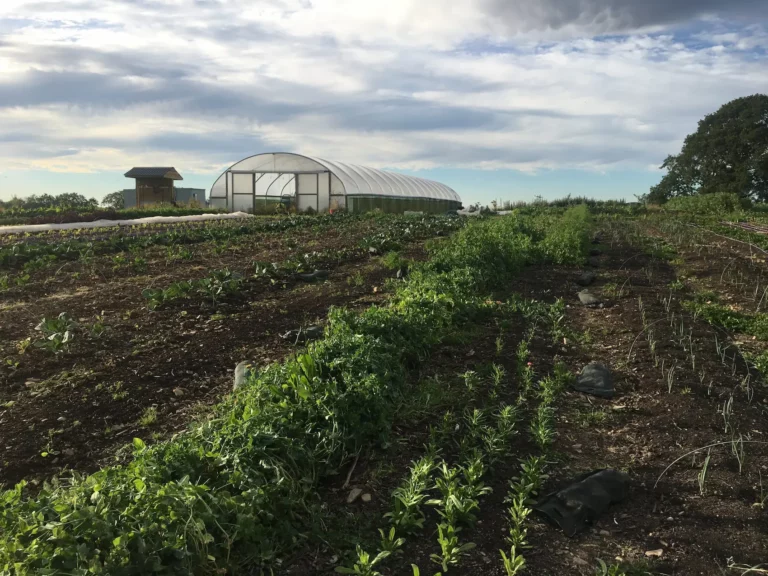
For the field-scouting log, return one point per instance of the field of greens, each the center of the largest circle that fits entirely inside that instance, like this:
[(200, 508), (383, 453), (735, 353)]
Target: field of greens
[(422, 426)]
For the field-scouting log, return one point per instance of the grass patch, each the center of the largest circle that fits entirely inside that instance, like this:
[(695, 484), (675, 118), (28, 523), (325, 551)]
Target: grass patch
[(719, 315), (592, 417)]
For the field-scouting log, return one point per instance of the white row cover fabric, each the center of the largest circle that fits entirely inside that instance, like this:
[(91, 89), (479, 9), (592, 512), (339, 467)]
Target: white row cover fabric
[(356, 180), (112, 223)]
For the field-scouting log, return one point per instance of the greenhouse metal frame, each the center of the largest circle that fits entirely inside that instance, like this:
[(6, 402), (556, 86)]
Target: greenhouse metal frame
[(258, 183)]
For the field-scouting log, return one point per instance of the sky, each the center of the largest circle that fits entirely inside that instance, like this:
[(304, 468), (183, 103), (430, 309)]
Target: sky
[(499, 99)]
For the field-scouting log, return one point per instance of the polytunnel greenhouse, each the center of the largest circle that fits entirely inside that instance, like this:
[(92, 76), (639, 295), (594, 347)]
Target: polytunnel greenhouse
[(258, 183)]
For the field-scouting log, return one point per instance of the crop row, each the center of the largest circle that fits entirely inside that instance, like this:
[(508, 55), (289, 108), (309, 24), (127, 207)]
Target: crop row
[(235, 489), (32, 256)]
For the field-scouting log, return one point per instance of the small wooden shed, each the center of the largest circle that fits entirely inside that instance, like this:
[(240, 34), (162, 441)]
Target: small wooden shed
[(154, 185)]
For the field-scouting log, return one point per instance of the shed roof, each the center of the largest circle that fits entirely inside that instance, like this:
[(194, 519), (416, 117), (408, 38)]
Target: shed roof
[(154, 172)]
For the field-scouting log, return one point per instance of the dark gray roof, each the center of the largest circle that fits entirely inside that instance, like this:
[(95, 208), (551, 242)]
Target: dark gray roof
[(154, 172)]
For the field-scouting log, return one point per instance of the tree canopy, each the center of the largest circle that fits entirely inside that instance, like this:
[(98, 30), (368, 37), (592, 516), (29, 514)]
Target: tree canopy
[(114, 200), (728, 153), (66, 201)]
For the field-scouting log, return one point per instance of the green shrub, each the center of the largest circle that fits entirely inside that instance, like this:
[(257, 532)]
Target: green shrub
[(709, 204), (567, 242)]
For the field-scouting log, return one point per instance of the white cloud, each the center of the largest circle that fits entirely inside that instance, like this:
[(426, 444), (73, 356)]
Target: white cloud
[(410, 84)]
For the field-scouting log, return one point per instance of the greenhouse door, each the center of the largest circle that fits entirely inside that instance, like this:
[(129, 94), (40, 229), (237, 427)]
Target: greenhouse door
[(242, 192), (324, 192), (313, 192)]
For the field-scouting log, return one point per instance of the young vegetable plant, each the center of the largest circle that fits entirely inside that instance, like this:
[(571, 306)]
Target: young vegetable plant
[(521, 489), (451, 550), (364, 565), (406, 515), (702, 476), (542, 426), (57, 333)]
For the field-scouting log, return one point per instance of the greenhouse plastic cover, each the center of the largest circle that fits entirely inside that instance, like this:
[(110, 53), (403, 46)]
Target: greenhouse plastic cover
[(357, 180), (109, 223)]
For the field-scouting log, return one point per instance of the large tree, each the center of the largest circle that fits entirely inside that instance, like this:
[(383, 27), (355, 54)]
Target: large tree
[(728, 153), (115, 200)]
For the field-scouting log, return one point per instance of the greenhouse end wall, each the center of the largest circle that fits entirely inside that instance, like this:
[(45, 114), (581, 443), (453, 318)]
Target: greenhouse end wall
[(395, 205)]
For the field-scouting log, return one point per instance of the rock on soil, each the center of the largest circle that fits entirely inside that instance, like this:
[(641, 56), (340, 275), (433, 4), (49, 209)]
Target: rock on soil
[(242, 372), (595, 379), (354, 494), (594, 261), (586, 278), (588, 299)]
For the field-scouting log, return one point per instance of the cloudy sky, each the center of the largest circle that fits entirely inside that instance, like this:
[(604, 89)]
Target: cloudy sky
[(497, 98)]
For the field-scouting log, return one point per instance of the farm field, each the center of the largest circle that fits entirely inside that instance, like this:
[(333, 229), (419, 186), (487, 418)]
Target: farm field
[(137, 367), (421, 431)]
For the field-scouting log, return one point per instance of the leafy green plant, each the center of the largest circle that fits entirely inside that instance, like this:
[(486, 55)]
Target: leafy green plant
[(406, 515), (451, 550), (148, 417), (99, 327), (357, 279), (23, 345), (542, 426), (514, 563), (57, 333), (499, 345), (365, 563), (521, 490), (497, 378), (471, 380), (568, 242), (215, 286), (394, 261), (139, 265), (677, 285), (458, 500), (390, 542)]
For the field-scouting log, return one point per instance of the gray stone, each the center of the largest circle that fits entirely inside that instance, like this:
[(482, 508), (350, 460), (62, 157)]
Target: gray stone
[(365, 497), (312, 276), (588, 299), (354, 494), (593, 261), (586, 278), (301, 335), (595, 252), (595, 379), (242, 372)]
